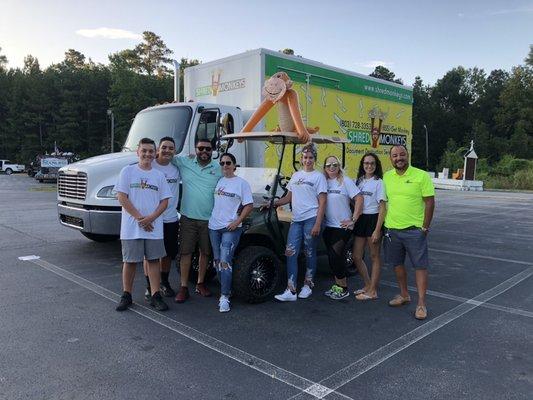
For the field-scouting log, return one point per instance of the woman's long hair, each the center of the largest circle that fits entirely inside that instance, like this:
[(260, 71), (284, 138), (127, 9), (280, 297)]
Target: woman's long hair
[(378, 173), (340, 177)]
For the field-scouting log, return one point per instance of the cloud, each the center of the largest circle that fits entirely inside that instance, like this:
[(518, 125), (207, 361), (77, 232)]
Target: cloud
[(374, 63), (511, 11), (108, 33)]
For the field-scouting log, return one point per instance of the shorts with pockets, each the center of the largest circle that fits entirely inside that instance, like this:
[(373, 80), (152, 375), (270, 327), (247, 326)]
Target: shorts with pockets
[(402, 242), (136, 250), (194, 232)]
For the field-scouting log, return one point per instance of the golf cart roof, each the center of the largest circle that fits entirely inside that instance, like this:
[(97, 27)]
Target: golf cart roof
[(281, 137)]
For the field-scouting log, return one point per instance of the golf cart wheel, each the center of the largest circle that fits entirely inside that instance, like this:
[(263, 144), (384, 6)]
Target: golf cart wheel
[(210, 274), (257, 274), (100, 238)]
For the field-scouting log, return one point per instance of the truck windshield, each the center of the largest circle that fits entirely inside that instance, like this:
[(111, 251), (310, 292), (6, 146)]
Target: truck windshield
[(158, 123)]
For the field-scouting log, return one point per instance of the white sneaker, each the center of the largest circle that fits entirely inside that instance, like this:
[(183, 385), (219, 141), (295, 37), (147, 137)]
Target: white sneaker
[(223, 304), (287, 295), (305, 292)]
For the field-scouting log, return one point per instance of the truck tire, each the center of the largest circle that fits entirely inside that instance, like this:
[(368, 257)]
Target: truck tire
[(100, 238), (257, 274), (9, 171)]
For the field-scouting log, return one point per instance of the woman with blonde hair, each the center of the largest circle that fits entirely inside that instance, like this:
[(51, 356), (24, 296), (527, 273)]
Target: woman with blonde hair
[(339, 222)]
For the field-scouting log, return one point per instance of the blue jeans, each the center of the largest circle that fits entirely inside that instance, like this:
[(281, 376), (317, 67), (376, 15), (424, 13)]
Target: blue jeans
[(224, 243), (299, 231)]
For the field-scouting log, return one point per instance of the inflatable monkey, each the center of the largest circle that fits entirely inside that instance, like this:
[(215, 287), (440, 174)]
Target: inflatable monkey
[(278, 90)]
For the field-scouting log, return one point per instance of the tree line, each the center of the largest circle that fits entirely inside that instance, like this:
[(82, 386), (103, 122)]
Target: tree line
[(67, 104)]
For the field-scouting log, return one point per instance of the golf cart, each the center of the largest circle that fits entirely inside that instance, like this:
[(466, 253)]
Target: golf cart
[(259, 268)]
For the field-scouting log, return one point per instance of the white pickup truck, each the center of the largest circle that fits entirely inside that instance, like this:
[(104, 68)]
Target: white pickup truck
[(8, 168)]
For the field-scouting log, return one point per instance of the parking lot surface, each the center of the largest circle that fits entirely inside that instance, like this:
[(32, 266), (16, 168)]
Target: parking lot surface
[(61, 337)]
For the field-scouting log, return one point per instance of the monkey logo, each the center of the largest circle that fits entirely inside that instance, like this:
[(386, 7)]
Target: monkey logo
[(215, 82)]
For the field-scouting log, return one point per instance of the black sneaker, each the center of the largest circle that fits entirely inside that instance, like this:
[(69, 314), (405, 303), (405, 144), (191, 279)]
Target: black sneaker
[(147, 294), (125, 302), (158, 303), (166, 290)]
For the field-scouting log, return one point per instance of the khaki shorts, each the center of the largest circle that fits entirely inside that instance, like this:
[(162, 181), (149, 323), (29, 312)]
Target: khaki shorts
[(193, 233)]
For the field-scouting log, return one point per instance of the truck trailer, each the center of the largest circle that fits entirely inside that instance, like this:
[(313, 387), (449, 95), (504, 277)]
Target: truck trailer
[(219, 97)]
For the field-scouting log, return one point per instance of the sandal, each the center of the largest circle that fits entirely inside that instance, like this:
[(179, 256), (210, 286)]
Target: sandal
[(358, 291), (365, 297)]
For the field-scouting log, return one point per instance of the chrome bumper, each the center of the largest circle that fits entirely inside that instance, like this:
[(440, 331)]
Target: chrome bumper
[(91, 221)]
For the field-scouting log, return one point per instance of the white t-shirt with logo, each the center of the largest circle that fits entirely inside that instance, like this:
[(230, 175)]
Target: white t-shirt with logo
[(305, 188), (373, 193), (230, 193), (145, 190), (172, 174), (338, 204)]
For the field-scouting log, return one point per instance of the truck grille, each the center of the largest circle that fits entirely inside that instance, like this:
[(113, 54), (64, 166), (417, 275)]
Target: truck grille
[(72, 185)]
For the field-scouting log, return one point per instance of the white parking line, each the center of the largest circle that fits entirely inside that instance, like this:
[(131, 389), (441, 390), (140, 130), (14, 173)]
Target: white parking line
[(480, 256), (515, 311), (305, 385), (359, 367)]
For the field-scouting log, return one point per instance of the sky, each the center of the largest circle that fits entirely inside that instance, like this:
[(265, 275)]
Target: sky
[(411, 38)]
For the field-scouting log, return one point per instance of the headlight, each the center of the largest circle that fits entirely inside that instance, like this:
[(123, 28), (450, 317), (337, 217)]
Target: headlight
[(107, 192)]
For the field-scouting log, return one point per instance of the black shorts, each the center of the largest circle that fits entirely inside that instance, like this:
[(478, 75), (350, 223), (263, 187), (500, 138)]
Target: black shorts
[(365, 225), (170, 238)]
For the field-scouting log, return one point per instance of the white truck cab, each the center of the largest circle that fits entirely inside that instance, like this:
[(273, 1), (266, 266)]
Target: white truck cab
[(86, 199)]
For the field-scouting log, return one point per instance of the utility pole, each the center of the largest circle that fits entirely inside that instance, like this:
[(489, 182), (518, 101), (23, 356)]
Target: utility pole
[(110, 113), (427, 148)]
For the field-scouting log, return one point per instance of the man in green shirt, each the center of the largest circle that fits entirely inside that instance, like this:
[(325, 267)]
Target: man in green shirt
[(410, 204), (199, 176)]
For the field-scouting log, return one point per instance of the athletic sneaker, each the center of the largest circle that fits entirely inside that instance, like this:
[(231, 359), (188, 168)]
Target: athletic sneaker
[(166, 290), (125, 302), (148, 294), (158, 303), (287, 295), (331, 290), (223, 304), (305, 292), (338, 293)]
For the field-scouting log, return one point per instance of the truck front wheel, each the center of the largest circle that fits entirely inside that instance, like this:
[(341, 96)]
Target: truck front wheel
[(9, 171), (257, 274), (100, 238)]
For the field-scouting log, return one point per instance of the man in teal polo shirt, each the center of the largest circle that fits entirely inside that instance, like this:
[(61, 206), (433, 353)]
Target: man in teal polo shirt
[(410, 204), (199, 177)]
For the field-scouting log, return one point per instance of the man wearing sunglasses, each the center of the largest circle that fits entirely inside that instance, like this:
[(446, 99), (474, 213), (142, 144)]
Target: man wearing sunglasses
[(199, 177)]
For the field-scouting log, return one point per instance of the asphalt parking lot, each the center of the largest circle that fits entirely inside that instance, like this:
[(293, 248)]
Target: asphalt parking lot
[(62, 339)]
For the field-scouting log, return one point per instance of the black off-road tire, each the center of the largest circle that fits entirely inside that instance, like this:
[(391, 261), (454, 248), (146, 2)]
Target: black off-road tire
[(210, 274), (258, 274)]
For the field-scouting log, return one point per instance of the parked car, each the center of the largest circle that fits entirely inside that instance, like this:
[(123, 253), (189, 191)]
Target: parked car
[(8, 168)]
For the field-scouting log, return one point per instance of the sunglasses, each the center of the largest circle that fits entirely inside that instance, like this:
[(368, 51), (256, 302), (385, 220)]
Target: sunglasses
[(204, 148), (222, 163), (332, 165)]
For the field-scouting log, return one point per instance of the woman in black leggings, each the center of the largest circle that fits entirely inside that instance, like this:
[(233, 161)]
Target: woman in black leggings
[(339, 222)]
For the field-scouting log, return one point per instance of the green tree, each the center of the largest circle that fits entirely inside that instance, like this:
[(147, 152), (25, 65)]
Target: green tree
[(384, 73), (3, 61), (153, 54)]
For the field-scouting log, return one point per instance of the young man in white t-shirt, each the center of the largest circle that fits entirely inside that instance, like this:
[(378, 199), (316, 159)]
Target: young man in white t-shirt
[(143, 193), (165, 153)]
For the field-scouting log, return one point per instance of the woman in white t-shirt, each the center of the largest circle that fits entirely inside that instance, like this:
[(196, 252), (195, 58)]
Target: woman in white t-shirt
[(339, 222), (232, 194), (368, 227), (307, 195)]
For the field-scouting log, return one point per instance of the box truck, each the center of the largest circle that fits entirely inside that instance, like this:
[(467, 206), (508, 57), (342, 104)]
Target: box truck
[(371, 114)]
